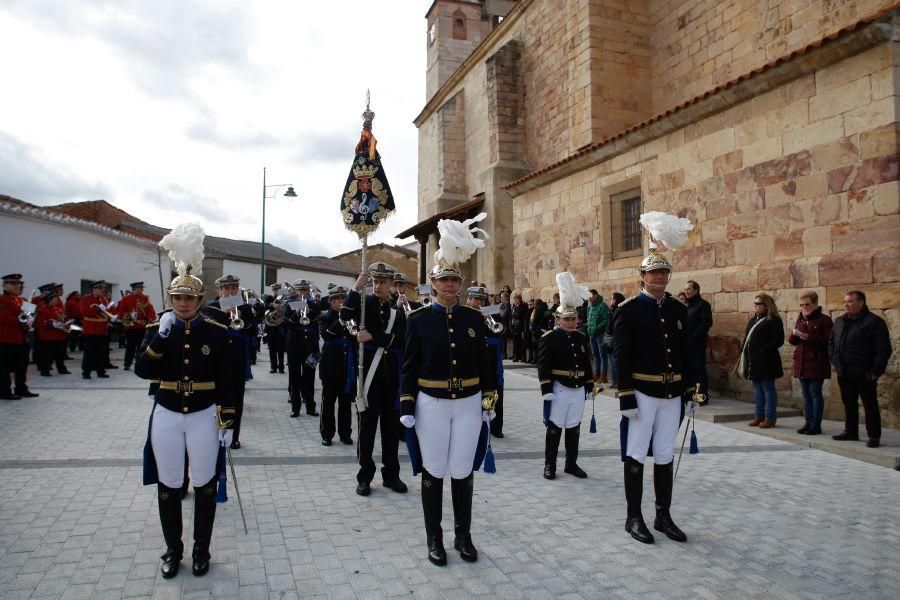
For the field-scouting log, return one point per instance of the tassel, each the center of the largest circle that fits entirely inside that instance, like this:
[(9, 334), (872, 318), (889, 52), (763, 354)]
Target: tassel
[(489, 465), (593, 428), (222, 491), (695, 448)]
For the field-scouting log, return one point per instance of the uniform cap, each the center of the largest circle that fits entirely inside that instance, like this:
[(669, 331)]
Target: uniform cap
[(301, 284), (478, 292), (400, 278), (336, 291), (12, 278), (228, 279), (382, 270), (98, 284), (137, 284)]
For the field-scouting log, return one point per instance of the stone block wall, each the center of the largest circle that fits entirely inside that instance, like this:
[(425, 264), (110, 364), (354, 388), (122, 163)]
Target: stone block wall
[(700, 44), (796, 189)]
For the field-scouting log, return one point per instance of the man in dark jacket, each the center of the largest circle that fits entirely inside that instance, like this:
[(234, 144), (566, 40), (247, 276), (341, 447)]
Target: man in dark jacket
[(859, 348), (699, 321)]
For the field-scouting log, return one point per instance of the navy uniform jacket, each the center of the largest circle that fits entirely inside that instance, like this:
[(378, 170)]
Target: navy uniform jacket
[(650, 343), (495, 343), (565, 356), (377, 317), (446, 355), (239, 350), (338, 363), (191, 365), (302, 339)]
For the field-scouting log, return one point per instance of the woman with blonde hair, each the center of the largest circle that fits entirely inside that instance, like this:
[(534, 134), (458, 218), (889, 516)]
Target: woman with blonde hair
[(760, 361)]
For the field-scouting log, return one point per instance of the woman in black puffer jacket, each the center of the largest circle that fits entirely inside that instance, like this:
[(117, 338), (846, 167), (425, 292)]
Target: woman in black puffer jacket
[(760, 361)]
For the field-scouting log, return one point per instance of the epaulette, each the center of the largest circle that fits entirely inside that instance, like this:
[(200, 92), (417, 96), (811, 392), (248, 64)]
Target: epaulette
[(214, 322), (210, 307), (153, 325), (416, 311), (625, 301), (478, 310), (548, 333)]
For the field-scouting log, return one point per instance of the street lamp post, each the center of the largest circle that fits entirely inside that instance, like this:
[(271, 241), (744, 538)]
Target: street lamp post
[(290, 193)]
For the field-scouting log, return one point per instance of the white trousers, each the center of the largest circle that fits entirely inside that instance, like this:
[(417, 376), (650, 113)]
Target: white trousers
[(448, 433), (172, 433), (567, 407), (657, 418)]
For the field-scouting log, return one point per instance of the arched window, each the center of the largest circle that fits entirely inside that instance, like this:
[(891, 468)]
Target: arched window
[(459, 25)]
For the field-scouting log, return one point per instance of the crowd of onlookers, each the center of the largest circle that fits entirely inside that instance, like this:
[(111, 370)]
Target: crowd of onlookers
[(856, 345)]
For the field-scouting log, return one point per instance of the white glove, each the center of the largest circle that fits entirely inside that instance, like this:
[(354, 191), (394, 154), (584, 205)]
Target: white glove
[(112, 305), (114, 318), (408, 421), (30, 321), (101, 306), (166, 322), (631, 413), (488, 415), (225, 437), (56, 324), (548, 397)]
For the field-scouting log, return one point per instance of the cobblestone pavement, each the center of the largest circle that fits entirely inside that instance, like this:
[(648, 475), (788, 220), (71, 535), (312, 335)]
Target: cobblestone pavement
[(765, 519)]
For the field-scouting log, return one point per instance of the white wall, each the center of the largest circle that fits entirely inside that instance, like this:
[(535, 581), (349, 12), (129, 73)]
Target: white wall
[(248, 273), (45, 251)]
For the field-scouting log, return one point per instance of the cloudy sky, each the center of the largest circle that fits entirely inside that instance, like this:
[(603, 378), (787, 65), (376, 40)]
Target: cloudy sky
[(170, 109)]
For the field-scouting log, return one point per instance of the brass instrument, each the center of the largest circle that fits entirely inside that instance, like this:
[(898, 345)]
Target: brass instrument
[(275, 315), (404, 304), (70, 326), (304, 317), (27, 312), (237, 322), (351, 326), (129, 318), (493, 324)]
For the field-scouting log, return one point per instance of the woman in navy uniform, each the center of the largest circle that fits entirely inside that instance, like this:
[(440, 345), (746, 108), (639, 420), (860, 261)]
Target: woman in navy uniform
[(654, 370), (337, 369), (447, 390), (566, 377), (188, 355)]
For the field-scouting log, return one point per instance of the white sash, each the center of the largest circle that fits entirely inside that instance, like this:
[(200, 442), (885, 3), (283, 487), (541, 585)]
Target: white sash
[(377, 358)]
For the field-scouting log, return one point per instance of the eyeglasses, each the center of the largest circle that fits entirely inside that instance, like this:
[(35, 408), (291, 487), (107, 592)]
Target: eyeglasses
[(760, 303)]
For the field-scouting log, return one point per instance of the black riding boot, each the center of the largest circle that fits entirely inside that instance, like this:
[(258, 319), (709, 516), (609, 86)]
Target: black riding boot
[(169, 500), (662, 483), (461, 491), (204, 517), (572, 435), (432, 497), (634, 488), (551, 447)]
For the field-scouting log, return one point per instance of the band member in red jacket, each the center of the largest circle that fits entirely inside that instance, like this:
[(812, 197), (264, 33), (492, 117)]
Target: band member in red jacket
[(50, 325), (73, 313), (95, 319), (136, 311), (14, 324)]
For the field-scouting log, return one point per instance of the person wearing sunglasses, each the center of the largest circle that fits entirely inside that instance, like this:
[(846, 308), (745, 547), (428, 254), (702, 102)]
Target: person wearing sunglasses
[(760, 361)]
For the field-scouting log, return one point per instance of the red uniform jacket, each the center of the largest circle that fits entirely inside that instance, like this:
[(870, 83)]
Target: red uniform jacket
[(139, 304), (73, 308), (11, 331), (93, 322), (46, 314)]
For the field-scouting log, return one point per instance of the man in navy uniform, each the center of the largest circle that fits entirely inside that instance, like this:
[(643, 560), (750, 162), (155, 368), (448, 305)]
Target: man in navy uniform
[(651, 347), (337, 369), (302, 347), (478, 298), (398, 295), (275, 334), (382, 333), (228, 286), (566, 378)]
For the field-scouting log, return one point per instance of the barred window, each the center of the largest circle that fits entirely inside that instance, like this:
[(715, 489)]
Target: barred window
[(625, 223)]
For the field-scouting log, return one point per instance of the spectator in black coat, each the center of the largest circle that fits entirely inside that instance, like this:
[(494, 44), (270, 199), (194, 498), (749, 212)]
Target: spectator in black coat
[(614, 302), (859, 348), (760, 361), (538, 326), (699, 321)]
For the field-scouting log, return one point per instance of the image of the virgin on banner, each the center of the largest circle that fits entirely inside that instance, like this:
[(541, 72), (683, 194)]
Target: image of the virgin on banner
[(367, 196)]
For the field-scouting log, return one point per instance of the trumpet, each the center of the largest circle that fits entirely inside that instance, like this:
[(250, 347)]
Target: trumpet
[(351, 326), (304, 318), (493, 324), (404, 303), (426, 301), (237, 322)]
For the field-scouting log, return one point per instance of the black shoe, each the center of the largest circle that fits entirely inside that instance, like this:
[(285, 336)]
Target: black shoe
[(102, 375), (235, 445), (845, 437), (312, 414), (576, 471), (127, 367), (467, 550), (281, 371), (814, 431), (273, 370), (295, 414), (111, 367), (804, 429), (363, 489), (9, 397), (436, 553), (638, 530), (326, 442), (64, 372), (46, 374), (171, 562), (549, 471), (873, 443), (347, 440), (27, 394), (69, 357), (396, 485), (200, 565), (498, 435), (665, 525)]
